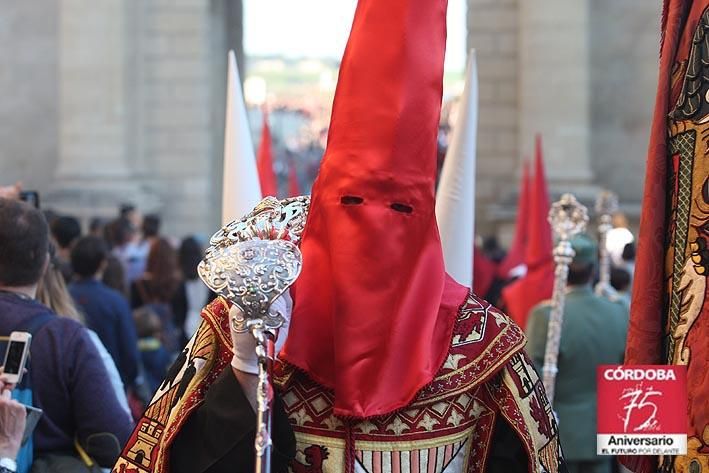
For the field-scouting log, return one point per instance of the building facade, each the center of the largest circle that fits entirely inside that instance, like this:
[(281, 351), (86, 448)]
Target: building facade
[(123, 101), (119, 101), (583, 74)]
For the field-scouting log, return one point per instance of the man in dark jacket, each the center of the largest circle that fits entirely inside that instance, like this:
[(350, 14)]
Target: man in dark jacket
[(106, 310)]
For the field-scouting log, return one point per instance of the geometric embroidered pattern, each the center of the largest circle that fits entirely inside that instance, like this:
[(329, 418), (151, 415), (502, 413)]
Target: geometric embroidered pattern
[(683, 145), (435, 459), (310, 409), (448, 426)]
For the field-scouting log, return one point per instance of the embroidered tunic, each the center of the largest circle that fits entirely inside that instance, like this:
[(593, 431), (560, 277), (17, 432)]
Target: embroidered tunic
[(487, 382)]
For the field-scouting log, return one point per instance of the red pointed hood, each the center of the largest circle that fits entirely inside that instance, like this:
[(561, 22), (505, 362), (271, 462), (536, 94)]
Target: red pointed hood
[(373, 311), (518, 248), (293, 186), (540, 242), (264, 161), (537, 285)]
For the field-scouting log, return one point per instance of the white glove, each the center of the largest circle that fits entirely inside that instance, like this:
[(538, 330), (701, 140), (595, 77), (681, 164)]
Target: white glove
[(244, 350)]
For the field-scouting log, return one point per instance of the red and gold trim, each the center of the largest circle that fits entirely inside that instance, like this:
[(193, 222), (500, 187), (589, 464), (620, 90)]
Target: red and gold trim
[(201, 362)]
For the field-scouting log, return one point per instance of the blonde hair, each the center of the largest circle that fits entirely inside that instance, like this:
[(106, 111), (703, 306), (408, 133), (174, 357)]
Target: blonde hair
[(52, 292)]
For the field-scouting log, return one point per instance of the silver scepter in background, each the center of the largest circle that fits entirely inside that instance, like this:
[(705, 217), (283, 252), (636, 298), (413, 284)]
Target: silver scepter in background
[(606, 206), (251, 262), (567, 218)]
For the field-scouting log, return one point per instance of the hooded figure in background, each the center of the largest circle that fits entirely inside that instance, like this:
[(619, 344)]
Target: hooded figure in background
[(387, 363)]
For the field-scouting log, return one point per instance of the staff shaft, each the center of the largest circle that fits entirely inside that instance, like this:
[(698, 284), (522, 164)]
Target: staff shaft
[(264, 398), (563, 255)]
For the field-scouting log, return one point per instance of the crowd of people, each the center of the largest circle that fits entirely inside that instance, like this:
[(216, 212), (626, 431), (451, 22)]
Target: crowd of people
[(138, 290), (108, 310)]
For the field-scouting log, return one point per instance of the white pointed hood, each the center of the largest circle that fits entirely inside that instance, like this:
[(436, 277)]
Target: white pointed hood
[(241, 190), (455, 199)]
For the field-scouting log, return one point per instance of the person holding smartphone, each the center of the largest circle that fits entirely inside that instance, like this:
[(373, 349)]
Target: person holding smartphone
[(69, 381), (12, 426)]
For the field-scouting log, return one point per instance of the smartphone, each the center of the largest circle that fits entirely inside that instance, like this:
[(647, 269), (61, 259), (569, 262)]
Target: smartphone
[(18, 347), (31, 197)]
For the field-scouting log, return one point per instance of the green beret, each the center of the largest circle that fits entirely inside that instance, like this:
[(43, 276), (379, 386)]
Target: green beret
[(586, 249)]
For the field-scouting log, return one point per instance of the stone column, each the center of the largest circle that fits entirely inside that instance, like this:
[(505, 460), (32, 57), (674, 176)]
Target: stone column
[(92, 175), (226, 33), (28, 135), (493, 32), (555, 90), (625, 40)]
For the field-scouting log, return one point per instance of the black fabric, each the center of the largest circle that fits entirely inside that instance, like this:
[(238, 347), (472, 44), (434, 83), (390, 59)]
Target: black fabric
[(507, 455), (506, 452), (63, 463), (219, 436), (180, 304), (179, 309)]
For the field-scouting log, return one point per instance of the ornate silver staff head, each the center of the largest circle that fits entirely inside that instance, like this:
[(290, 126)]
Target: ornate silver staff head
[(606, 206), (253, 260), (606, 203), (568, 217)]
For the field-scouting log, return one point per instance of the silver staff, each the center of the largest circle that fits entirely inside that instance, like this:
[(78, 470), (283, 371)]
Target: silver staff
[(567, 217), (606, 206), (251, 262)]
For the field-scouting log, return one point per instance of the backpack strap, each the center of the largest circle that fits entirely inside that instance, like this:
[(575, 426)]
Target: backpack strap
[(35, 323)]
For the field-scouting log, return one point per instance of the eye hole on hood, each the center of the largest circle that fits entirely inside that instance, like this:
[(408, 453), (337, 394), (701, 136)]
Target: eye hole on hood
[(351, 200), (403, 208)]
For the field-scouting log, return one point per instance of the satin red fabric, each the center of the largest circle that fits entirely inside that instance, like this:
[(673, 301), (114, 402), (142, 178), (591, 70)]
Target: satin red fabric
[(373, 309), (538, 284), (264, 161)]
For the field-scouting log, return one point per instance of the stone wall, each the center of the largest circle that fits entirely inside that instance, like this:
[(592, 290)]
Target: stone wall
[(624, 61), (172, 150), (123, 100), (118, 101), (583, 74), (493, 33), (29, 87)]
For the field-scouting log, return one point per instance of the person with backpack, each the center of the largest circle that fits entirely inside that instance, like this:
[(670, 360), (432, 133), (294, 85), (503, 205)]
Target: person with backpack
[(66, 376)]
